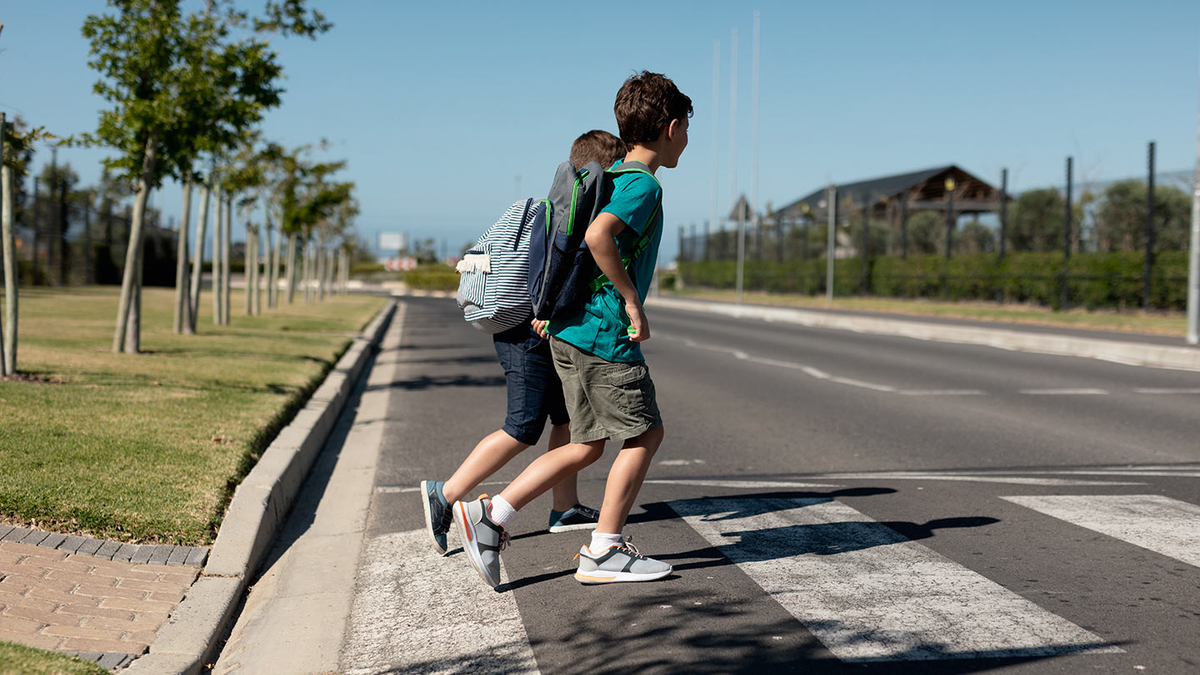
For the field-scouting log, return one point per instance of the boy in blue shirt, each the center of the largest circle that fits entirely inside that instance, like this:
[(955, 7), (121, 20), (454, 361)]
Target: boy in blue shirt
[(598, 356)]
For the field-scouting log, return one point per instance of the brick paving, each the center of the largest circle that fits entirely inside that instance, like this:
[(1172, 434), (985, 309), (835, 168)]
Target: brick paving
[(105, 610)]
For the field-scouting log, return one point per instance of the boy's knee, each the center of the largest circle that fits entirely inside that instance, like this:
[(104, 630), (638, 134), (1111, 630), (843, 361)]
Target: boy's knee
[(586, 454), (649, 439)]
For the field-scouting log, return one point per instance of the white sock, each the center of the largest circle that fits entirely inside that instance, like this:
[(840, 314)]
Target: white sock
[(502, 512), (601, 541)]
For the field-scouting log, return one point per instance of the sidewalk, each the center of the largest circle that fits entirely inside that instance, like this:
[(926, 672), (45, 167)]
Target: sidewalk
[(104, 610)]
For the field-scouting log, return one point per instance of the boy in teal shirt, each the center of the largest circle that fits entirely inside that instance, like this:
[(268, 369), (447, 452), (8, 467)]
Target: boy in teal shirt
[(598, 356)]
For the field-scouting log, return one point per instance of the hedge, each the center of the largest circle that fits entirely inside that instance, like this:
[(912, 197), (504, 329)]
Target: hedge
[(1094, 279)]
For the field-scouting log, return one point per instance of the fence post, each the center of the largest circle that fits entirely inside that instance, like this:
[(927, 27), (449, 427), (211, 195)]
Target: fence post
[(831, 243), (1149, 228), (1067, 239)]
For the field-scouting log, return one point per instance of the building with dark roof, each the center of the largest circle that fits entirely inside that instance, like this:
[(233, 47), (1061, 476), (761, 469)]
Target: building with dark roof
[(886, 197)]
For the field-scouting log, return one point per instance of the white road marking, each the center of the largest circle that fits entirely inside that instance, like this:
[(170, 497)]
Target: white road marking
[(1149, 390), (1161, 524), (680, 462), (395, 489), (1011, 480), (417, 612), (870, 594), (1118, 472), (737, 484), (863, 385), (1065, 392), (942, 392)]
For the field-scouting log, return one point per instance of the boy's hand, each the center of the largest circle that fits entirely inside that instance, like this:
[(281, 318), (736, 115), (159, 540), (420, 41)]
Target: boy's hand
[(639, 325), (539, 327)]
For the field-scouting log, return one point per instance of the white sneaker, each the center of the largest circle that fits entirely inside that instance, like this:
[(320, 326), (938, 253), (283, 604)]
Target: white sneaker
[(619, 562)]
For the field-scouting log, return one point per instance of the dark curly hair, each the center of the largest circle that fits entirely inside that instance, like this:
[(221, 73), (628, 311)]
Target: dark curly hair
[(646, 103)]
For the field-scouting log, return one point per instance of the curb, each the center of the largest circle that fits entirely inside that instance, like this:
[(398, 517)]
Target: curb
[(259, 507), (1127, 353)]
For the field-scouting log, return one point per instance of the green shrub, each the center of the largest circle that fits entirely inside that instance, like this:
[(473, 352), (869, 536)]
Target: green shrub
[(432, 278), (1093, 279)]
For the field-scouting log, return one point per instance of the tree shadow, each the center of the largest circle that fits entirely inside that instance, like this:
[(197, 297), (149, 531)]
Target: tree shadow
[(425, 382)]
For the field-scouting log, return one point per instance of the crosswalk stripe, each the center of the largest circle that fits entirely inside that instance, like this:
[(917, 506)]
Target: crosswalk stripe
[(1161, 524), (417, 612), (870, 594)]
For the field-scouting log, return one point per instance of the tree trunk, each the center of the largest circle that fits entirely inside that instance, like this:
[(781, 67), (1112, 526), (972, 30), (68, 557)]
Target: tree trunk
[(131, 278), (63, 248), (218, 232), (290, 263), (248, 255), (9, 357), (133, 333), (226, 257), (198, 261), (320, 269), (272, 266), (256, 302), (182, 300), (89, 265)]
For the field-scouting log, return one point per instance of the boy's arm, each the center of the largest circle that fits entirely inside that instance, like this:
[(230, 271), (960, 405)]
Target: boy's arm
[(600, 240)]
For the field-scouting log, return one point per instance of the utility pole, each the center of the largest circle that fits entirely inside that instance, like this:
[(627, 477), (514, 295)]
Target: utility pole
[(1193, 296), (1149, 227), (755, 223), (831, 242), (716, 110), (733, 195)]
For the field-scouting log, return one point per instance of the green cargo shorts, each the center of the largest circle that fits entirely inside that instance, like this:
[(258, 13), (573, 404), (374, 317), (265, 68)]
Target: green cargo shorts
[(605, 400)]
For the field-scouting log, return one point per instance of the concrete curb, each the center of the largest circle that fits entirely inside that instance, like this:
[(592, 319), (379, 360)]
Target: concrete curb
[(259, 507), (1128, 353)]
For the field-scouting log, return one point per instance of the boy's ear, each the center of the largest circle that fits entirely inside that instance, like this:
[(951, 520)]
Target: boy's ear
[(671, 129)]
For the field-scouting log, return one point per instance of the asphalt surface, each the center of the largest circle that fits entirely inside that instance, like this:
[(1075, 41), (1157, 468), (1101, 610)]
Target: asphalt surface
[(832, 503)]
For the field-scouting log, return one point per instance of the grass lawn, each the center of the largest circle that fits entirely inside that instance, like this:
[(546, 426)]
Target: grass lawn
[(1150, 323), (22, 660), (149, 447)]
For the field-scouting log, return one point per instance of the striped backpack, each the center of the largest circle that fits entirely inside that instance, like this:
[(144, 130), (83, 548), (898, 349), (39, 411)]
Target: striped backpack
[(492, 290)]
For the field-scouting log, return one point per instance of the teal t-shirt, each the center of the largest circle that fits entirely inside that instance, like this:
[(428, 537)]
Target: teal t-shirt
[(602, 327)]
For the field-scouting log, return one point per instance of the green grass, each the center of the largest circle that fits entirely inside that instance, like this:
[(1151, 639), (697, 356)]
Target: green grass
[(1150, 323), (22, 660), (149, 447)]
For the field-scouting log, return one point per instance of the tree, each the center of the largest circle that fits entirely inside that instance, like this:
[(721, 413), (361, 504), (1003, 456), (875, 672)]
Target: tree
[(16, 145), (974, 237), (1121, 217), (178, 85)]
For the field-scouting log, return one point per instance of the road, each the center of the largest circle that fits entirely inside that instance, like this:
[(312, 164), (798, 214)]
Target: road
[(832, 502)]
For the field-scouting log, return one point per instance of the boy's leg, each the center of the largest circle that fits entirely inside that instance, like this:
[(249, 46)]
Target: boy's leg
[(566, 491), (549, 469), (488, 457), (625, 479)]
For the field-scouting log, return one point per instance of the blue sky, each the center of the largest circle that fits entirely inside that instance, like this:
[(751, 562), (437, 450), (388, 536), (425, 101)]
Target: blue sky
[(439, 107)]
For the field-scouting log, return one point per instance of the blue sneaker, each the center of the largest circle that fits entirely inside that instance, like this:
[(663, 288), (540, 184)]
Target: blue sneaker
[(437, 514), (578, 517)]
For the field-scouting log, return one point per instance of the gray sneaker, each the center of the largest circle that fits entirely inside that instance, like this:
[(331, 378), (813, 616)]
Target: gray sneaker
[(619, 562), (481, 538), (437, 514)]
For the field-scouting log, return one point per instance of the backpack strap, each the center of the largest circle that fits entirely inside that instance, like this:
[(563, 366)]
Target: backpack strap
[(643, 241), (521, 228)]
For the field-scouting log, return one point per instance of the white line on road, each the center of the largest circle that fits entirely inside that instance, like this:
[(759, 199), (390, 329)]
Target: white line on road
[(1150, 390), (1010, 480), (863, 385), (418, 612), (942, 392), (1065, 392), (1161, 524), (870, 594), (738, 484)]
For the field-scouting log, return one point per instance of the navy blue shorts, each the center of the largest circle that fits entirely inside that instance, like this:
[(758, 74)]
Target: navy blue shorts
[(534, 390)]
